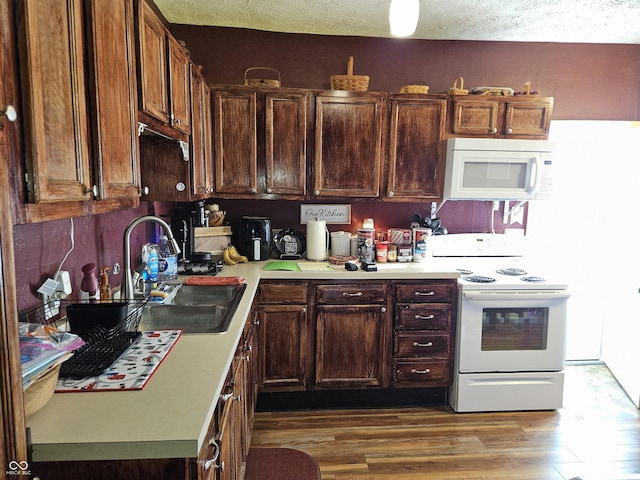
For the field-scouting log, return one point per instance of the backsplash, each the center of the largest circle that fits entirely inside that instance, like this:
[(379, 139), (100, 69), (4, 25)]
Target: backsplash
[(40, 247)]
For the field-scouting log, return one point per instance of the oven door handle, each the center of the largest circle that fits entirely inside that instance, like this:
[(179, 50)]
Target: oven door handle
[(520, 295)]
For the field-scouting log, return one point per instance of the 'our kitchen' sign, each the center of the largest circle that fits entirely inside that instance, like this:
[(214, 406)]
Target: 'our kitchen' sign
[(329, 213)]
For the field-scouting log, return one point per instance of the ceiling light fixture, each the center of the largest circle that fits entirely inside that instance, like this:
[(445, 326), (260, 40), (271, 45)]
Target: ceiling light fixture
[(403, 17)]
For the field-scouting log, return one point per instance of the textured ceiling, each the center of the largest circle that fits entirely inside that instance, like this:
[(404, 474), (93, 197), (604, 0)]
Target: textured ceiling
[(572, 21)]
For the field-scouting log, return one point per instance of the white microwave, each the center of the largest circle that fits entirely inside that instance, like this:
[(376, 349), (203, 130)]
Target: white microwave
[(497, 169)]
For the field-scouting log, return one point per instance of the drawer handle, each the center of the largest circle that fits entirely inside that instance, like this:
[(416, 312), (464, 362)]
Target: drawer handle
[(416, 344), (425, 294), (347, 294), (421, 372), (206, 464), (422, 317)]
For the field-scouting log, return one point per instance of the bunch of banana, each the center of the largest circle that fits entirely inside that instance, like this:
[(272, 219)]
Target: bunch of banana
[(231, 256)]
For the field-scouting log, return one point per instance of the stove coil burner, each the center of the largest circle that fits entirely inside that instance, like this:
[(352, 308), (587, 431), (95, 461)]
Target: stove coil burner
[(516, 272), (464, 271), (479, 279), (533, 279)]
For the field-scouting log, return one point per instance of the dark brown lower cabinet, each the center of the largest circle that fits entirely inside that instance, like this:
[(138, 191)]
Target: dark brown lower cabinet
[(366, 334), (284, 340)]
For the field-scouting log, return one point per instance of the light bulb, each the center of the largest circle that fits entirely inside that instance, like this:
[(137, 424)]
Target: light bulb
[(403, 17)]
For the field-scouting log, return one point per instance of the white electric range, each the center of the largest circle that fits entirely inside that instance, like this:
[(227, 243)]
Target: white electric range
[(511, 325)]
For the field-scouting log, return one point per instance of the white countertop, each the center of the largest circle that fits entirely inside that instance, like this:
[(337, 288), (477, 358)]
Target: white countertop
[(169, 417)]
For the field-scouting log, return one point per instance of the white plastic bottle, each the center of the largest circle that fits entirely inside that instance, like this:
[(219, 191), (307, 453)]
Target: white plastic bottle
[(167, 261)]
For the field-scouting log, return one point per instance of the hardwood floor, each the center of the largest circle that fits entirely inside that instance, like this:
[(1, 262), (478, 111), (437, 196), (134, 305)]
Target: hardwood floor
[(596, 435)]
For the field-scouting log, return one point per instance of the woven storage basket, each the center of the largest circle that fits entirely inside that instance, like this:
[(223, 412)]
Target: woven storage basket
[(262, 82), (415, 89), (455, 90), (41, 391), (356, 83)]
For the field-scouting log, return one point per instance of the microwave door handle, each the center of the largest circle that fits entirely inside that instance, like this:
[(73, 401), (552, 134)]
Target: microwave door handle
[(534, 179)]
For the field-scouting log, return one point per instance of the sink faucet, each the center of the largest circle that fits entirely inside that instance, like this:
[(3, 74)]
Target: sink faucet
[(126, 289)]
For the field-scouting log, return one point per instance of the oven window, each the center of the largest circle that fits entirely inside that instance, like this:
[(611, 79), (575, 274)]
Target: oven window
[(514, 328)]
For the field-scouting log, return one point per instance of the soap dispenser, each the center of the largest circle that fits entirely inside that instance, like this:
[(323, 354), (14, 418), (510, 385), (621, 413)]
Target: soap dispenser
[(105, 288)]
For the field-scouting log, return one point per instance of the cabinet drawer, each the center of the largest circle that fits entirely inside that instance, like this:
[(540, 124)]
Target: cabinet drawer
[(436, 372), (418, 316), (279, 293), (440, 292), (352, 293), (421, 344)]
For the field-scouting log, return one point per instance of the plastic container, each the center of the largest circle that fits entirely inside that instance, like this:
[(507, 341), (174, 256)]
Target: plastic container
[(167, 261), (150, 257), (83, 317), (105, 288)]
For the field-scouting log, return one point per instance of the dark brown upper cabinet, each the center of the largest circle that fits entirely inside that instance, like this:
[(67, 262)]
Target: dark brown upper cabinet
[(349, 139)]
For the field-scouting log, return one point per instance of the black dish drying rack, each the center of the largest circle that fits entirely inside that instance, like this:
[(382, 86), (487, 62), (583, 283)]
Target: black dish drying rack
[(103, 345)]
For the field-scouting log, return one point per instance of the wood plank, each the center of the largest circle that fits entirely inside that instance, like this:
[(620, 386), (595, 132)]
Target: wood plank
[(600, 439)]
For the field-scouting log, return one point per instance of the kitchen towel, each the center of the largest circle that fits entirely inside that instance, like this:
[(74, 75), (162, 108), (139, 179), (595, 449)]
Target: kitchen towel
[(205, 280), (132, 370)]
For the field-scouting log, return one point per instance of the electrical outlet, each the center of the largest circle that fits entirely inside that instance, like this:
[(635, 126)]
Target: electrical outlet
[(64, 284)]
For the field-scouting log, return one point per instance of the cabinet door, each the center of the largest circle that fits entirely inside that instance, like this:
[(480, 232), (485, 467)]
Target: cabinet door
[(351, 346), (114, 104), (416, 148), (475, 117), (284, 348), (153, 81), (235, 147), (250, 382), (202, 164), (55, 105), (229, 437), (528, 119), (348, 144), (285, 143), (179, 83)]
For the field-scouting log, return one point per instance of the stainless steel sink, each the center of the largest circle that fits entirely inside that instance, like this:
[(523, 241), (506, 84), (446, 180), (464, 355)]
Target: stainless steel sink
[(194, 309)]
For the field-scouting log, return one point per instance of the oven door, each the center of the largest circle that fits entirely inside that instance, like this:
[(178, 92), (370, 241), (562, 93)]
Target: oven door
[(512, 331)]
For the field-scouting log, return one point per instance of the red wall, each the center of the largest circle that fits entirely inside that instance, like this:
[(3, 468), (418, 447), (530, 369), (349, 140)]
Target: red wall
[(588, 81)]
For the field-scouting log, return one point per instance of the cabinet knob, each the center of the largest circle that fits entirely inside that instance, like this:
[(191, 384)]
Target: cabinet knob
[(509, 131), (316, 192), (390, 194), (383, 309), (493, 130), (10, 113), (269, 190), (304, 309), (253, 190), (93, 190), (144, 191)]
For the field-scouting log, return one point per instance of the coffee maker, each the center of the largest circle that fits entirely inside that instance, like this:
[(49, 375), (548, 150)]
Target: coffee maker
[(184, 221), (254, 237)]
